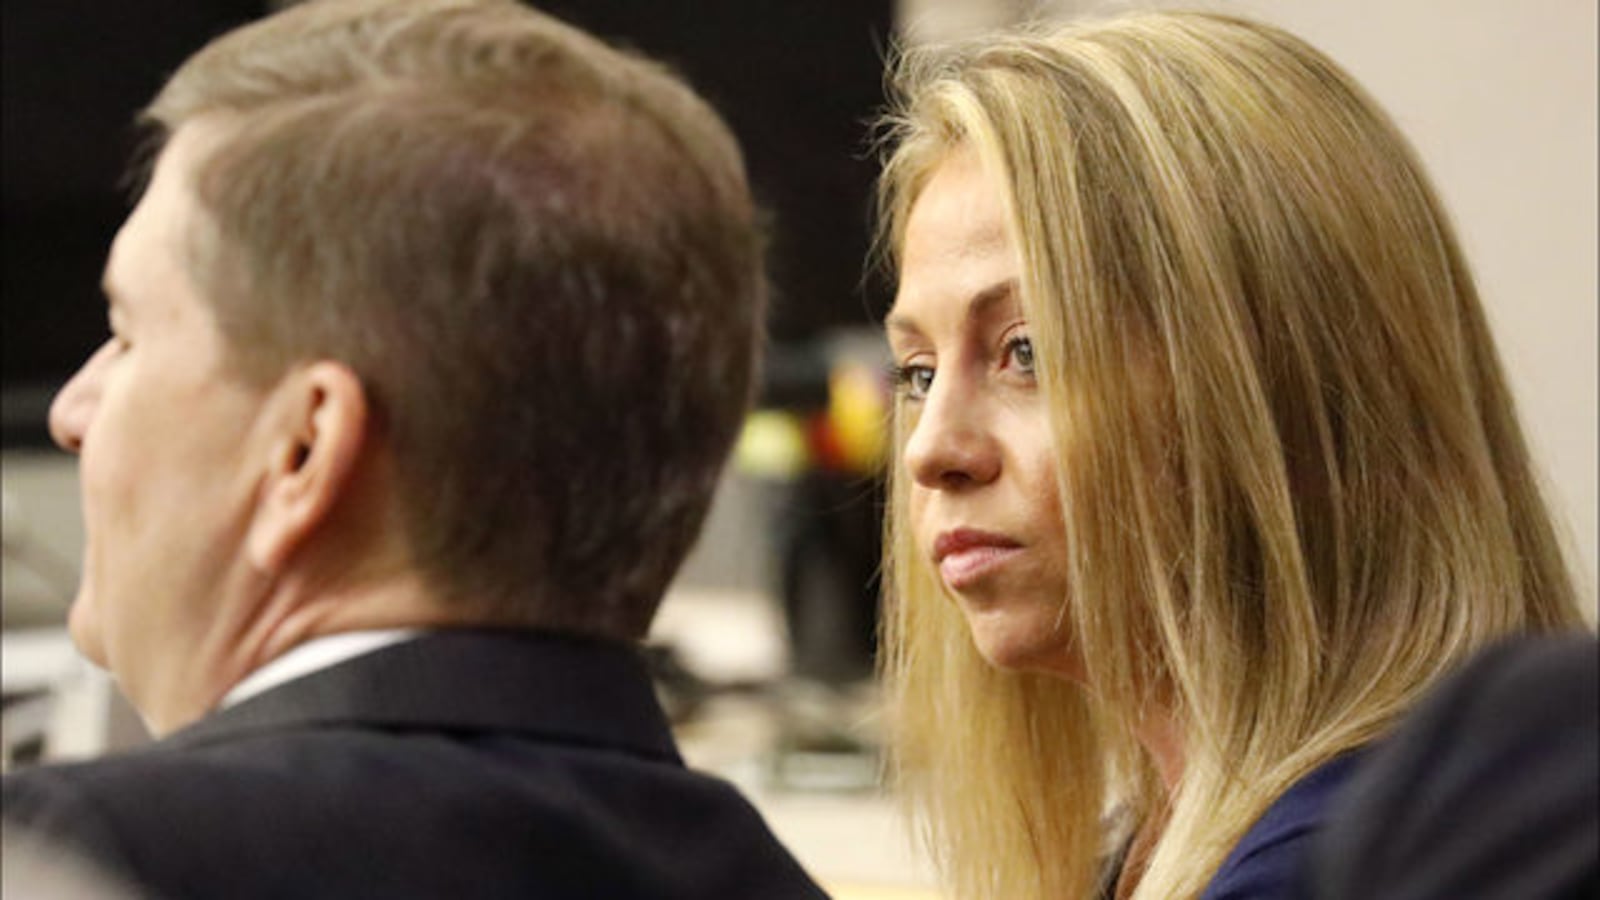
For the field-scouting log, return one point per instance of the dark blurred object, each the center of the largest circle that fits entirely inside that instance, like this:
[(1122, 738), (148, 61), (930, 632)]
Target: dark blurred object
[(1490, 790), (73, 73), (818, 439), (798, 80), (829, 547)]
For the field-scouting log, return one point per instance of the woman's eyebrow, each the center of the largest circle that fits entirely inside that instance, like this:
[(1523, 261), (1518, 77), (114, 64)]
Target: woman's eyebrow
[(979, 306), (900, 323), (983, 302)]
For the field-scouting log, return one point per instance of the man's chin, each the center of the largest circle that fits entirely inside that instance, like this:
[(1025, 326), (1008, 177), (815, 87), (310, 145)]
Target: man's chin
[(84, 627)]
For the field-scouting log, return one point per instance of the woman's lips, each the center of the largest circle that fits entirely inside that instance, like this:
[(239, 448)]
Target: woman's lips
[(965, 556)]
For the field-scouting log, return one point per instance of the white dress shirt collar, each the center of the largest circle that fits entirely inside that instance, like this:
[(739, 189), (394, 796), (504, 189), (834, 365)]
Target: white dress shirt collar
[(313, 656)]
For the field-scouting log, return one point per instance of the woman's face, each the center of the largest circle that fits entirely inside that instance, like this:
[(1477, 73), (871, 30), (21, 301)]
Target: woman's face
[(978, 457)]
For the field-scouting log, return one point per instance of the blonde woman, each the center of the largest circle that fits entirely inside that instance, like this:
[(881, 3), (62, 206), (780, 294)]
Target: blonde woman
[(1207, 467)]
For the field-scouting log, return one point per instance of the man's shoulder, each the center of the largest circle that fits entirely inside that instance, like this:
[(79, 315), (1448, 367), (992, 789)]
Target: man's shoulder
[(88, 785), (320, 762), (545, 815), (76, 809), (117, 792), (1488, 788)]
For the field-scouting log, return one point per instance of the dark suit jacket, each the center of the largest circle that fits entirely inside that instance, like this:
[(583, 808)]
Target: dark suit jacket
[(459, 765), (1490, 790)]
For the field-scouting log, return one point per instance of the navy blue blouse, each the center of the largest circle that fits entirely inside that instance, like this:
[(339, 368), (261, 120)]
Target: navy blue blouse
[(1265, 864)]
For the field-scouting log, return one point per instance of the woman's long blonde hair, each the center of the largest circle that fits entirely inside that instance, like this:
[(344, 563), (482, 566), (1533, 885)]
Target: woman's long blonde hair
[(1330, 504)]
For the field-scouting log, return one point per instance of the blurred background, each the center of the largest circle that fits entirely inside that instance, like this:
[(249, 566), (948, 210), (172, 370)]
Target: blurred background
[(763, 648)]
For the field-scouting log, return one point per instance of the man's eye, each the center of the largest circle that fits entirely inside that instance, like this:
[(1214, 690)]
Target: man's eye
[(914, 381), (1020, 352)]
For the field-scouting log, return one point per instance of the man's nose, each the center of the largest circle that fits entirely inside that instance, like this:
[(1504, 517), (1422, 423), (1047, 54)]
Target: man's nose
[(951, 445), (74, 405)]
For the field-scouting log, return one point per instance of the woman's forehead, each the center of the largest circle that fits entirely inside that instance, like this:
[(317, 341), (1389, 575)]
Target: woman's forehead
[(957, 241)]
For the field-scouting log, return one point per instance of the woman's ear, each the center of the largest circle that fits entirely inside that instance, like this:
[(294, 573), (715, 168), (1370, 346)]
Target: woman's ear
[(318, 434)]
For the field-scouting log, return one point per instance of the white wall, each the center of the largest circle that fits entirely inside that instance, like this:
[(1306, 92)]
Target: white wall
[(1500, 99)]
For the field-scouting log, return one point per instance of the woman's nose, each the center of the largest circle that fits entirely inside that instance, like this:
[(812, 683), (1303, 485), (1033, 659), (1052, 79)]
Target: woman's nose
[(74, 405), (950, 447)]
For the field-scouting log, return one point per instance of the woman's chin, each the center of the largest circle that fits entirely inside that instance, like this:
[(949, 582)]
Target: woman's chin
[(1022, 642)]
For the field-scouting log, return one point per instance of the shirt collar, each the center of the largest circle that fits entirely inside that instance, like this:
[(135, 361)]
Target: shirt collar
[(314, 655)]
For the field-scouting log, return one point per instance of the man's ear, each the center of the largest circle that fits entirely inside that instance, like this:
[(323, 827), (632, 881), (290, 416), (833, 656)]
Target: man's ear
[(318, 434)]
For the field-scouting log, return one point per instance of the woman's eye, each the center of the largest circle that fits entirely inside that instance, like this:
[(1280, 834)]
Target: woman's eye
[(1019, 351), (914, 381)]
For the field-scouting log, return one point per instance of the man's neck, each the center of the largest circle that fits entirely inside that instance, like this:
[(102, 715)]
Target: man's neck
[(288, 614)]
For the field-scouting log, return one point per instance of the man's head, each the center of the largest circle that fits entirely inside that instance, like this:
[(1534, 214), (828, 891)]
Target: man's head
[(526, 265)]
